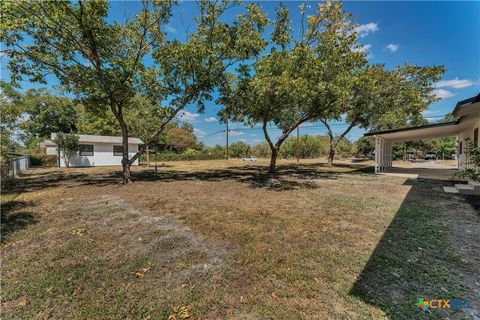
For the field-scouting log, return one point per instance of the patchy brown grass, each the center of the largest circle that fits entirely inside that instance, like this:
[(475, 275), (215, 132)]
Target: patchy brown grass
[(223, 239)]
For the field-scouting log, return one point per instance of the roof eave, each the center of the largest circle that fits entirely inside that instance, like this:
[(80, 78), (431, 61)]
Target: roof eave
[(375, 133), (466, 101)]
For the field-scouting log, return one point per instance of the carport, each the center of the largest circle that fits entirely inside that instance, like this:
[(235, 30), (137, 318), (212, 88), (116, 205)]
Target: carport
[(384, 140), (465, 126)]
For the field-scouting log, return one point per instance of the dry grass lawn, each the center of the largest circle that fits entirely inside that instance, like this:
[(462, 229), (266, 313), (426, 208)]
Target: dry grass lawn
[(224, 240)]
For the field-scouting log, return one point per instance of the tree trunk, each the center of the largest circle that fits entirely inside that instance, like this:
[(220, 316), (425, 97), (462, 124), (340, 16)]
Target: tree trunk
[(148, 157), (273, 160), (333, 141), (66, 160), (331, 155), (126, 176)]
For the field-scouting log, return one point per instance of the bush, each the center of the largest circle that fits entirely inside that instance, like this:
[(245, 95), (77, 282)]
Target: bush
[(4, 170), (472, 173), (468, 174), (42, 160)]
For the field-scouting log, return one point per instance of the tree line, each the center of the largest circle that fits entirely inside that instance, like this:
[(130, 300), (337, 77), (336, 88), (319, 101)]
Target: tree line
[(32, 116), (276, 77), (36, 113)]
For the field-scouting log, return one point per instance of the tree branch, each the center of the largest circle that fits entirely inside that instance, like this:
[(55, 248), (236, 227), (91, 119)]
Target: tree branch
[(161, 128), (265, 131)]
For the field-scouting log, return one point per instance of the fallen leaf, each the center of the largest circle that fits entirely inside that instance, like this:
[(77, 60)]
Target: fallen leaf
[(141, 273), (22, 302), (79, 231), (179, 313)]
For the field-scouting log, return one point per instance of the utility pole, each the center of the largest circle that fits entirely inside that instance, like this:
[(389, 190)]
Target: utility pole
[(227, 141), (298, 144)]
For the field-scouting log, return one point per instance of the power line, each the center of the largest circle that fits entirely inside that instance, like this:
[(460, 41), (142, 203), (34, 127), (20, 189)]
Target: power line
[(321, 126), (214, 133)]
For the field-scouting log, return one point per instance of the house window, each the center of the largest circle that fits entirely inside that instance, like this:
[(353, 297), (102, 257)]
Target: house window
[(475, 137), (460, 147), (85, 149), (118, 150)]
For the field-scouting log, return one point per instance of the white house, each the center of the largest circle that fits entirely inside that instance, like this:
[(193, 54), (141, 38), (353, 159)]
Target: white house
[(465, 126), (94, 150)]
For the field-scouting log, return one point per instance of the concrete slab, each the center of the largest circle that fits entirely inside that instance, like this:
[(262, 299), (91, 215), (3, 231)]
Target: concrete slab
[(450, 189)]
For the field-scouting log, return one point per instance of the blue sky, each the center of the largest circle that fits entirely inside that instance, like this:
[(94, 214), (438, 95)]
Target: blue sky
[(395, 33)]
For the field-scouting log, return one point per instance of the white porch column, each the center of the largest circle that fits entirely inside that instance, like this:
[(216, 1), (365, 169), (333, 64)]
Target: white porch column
[(383, 154), (389, 151), (379, 154)]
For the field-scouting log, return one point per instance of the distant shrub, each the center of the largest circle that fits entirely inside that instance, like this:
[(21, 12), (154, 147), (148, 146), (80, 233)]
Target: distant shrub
[(190, 153), (181, 156)]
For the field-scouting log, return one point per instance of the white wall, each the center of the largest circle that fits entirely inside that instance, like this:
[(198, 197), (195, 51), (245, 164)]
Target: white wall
[(467, 133), (51, 151), (102, 156)]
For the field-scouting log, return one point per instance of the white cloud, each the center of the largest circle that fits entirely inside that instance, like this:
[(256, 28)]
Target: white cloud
[(211, 119), (197, 131), (455, 83), (428, 112), (365, 29), (170, 29), (392, 47), (188, 116), (235, 133), (364, 48), (442, 94)]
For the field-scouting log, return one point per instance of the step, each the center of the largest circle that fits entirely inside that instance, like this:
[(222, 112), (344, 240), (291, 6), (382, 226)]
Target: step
[(466, 189), (450, 189), (474, 184)]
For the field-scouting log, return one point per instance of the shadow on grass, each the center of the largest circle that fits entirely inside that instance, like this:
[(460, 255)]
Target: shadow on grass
[(13, 218), (287, 176), (257, 176), (415, 259), (39, 181), (474, 201)]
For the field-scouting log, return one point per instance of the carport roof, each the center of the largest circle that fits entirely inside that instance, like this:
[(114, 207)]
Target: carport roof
[(463, 112), (429, 131)]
